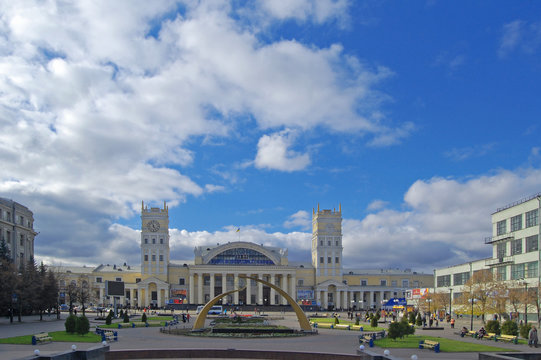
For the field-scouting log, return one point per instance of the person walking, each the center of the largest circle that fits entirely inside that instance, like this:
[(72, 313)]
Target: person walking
[(532, 337)]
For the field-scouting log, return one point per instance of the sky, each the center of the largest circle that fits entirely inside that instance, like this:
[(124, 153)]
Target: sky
[(419, 118)]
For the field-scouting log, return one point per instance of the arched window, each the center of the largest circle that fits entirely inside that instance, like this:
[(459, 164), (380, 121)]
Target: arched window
[(241, 256)]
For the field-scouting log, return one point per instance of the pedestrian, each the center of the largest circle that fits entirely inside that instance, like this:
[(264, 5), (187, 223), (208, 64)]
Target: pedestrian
[(532, 337), (452, 323), (188, 317)]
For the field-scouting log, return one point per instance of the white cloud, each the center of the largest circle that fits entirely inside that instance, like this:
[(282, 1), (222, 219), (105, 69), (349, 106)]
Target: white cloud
[(273, 153), (300, 219), (377, 205), (520, 35), (318, 10), (511, 37)]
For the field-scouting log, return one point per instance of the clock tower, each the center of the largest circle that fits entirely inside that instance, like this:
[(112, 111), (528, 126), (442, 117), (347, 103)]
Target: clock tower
[(155, 241), (327, 243)]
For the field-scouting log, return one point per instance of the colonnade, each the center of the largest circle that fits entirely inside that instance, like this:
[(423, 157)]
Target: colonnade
[(347, 298), (199, 289)]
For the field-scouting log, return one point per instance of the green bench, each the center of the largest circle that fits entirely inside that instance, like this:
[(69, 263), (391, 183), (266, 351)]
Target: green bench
[(41, 338)]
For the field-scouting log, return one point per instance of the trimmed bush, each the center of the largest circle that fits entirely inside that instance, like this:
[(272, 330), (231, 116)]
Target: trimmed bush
[(71, 324), (144, 317), (109, 319), (83, 325), (395, 331), (411, 317), (357, 320), (524, 330), (493, 326), (126, 317), (510, 328), (419, 320), (374, 321)]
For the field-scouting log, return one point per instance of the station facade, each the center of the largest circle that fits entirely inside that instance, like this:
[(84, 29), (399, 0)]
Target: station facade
[(322, 283)]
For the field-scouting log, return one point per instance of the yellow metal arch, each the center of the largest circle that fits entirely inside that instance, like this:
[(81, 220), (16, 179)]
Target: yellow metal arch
[(200, 321), (301, 317)]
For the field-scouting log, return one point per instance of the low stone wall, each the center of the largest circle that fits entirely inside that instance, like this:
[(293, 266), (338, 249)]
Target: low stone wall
[(223, 354), (95, 353)]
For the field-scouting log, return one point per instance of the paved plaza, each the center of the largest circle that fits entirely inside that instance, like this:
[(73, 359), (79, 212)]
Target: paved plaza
[(327, 341)]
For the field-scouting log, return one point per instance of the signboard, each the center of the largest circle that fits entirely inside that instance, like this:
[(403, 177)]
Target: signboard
[(417, 293), (114, 288), (305, 294)]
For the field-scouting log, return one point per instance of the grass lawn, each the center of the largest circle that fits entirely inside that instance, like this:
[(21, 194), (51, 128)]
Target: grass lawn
[(366, 327), (128, 325), (446, 345), (61, 336)]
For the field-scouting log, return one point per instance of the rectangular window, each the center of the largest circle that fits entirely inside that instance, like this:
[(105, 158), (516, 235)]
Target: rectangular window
[(461, 278), (300, 282), (501, 250), (393, 283), (364, 282), (154, 241), (405, 283), (137, 280), (181, 281), (532, 243), (153, 257), (146, 257), (531, 218), (328, 243), (517, 271), (501, 273), (328, 260), (516, 223), (161, 241), (321, 242), (336, 242), (118, 279), (337, 260), (161, 257), (98, 280), (516, 247), (532, 269), (501, 227), (383, 282), (321, 260), (146, 241), (415, 283), (444, 280), (22, 240), (206, 280)]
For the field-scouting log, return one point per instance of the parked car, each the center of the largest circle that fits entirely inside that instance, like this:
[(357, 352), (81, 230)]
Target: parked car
[(216, 310), (64, 307)]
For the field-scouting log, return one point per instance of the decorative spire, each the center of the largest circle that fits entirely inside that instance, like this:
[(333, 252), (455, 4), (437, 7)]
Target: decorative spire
[(142, 205)]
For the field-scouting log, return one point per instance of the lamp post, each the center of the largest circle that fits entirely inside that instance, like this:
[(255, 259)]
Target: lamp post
[(471, 323), (450, 301), (526, 304), (429, 313)]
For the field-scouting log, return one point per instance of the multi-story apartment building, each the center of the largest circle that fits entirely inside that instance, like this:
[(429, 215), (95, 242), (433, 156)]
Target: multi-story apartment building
[(17, 230), (216, 269), (515, 249)]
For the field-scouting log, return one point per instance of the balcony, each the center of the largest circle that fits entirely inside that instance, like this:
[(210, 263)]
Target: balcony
[(500, 261), (498, 238)]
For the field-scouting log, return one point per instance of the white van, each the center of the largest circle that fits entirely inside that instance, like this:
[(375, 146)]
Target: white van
[(199, 308), (216, 310)]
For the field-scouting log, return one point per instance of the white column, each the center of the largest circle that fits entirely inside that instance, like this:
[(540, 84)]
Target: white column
[(101, 294), (191, 295), (293, 287), (212, 286), (325, 301), (248, 291), (381, 296), (200, 299), (132, 300), (318, 298), (284, 287), (259, 299), (224, 287), (371, 300), (159, 290), (147, 296), (272, 291), (236, 294)]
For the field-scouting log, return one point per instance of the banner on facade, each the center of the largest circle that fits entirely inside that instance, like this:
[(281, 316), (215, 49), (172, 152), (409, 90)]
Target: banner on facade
[(305, 295), (416, 293)]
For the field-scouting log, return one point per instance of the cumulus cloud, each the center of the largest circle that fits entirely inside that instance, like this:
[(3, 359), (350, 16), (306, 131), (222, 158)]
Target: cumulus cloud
[(273, 153), (442, 220), (106, 103), (520, 35), (300, 219)]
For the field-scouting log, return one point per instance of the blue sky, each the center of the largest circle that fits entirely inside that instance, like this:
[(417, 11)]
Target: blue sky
[(419, 118)]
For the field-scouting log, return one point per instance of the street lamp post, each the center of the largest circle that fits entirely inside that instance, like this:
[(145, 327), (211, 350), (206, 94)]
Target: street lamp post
[(429, 313), (450, 301), (526, 305), (471, 323)]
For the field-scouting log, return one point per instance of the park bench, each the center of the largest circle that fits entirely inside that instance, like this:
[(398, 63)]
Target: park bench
[(509, 338), (367, 339), (107, 335), (473, 334), (429, 344), (41, 338), (324, 325), (342, 326), (357, 327)]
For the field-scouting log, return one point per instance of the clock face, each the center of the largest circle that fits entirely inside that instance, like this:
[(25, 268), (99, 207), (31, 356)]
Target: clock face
[(153, 225)]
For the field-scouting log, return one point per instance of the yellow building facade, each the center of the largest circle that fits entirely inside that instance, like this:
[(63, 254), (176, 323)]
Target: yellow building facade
[(160, 281)]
